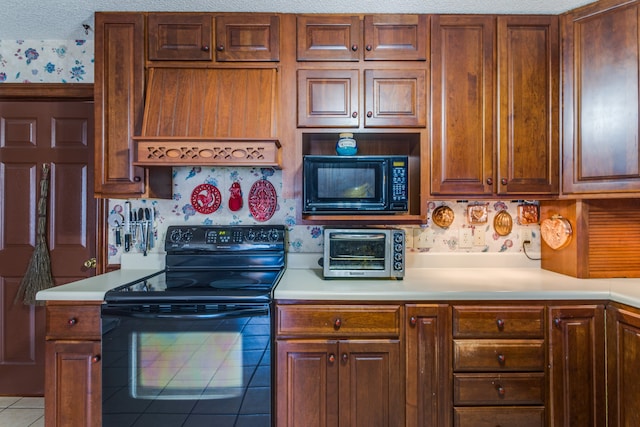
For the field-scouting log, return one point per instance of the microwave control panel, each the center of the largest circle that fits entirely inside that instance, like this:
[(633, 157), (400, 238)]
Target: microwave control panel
[(399, 187)]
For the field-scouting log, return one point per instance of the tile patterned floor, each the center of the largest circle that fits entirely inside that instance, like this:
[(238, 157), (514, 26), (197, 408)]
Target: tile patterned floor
[(21, 411)]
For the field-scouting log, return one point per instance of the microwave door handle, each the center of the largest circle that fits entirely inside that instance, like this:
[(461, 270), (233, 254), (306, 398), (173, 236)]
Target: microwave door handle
[(258, 311)]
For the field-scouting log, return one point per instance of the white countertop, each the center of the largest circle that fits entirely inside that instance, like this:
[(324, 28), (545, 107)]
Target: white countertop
[(430, 278)]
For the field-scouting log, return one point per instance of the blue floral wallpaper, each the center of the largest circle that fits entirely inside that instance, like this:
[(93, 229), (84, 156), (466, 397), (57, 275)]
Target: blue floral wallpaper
[(224, 195), (221, 186), (46, 61)]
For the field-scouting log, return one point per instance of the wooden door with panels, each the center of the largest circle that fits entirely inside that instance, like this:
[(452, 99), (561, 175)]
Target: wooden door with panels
[(60, 133)]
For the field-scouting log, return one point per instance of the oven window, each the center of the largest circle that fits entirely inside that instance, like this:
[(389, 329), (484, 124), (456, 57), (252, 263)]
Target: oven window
[(355, 252), (186, 365)]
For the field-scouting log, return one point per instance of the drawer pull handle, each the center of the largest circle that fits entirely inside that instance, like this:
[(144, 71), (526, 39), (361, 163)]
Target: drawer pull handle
[(332, 358), (337, 323), (500, 324), (345, 357), (501, 391), (72, 321), (413, 321), (96, 358), (501, 359)]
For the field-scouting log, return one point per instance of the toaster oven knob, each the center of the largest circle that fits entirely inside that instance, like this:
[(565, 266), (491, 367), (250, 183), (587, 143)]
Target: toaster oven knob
[(397, 257), (398, 247), (398, 266), (398, 238)]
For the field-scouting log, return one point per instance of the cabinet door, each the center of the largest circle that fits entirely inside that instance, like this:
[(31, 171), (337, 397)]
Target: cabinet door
[(328, 38), (307, 383), (428, 385), (73, 384), (528, 69), (371, 383), (328, 98), (182, 37), (601, 59), (396, 37), (623, 377), (395, 98), (119, 103), (247, 37), (577, 375), (462, 138)]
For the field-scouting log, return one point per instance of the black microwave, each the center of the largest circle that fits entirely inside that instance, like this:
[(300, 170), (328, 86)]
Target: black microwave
[(355, 184)]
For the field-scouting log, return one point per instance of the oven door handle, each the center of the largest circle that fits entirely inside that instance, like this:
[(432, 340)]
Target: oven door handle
[(226, 314)]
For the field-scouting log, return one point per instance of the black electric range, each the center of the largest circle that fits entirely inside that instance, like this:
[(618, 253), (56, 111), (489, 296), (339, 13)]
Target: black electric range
[(212, 264)]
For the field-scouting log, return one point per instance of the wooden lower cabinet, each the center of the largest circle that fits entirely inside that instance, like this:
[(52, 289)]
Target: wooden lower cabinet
[(623, 376), (577, 360), (428, 401), (73, 369), (498, 363), (330, 375)]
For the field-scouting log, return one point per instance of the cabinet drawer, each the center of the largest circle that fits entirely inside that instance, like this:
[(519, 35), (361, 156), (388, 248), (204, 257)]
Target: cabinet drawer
[(73, 322), (338, 320), (501, 355), (492, 389), (491, 417), (498, 322)]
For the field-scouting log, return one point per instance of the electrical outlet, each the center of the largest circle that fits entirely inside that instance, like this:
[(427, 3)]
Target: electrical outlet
[(408, 237), (478, 237), (423, 238), (466, 238), (525, 234)]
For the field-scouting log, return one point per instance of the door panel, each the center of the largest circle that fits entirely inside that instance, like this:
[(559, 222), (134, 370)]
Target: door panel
[(33, 133)]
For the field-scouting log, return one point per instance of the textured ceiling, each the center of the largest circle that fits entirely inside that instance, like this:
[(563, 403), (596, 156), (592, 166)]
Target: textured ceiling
[(63, 19)]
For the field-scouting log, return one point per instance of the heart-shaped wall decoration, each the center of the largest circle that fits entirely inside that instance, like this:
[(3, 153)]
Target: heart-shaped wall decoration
[(556, 232)]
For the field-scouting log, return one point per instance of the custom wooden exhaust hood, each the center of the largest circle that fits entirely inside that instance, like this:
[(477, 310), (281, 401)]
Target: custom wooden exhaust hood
[(209, 116)]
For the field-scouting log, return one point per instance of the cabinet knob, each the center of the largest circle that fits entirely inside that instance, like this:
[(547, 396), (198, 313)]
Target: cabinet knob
[(96, 358), (220, 47), (205, 48), (332, 358), (504, 181), (501, 359), (489, 181), (500, 324), (354, 47), (72, 321), (354, 114), (137, 179), (369, 48), (556, 322), (345, 357), (369, 114), (413, 321), (337, 323), (90, 263), (501, 391)]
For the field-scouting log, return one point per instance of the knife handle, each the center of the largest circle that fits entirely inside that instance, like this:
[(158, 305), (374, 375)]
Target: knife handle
[(118, 237), (127, 242)]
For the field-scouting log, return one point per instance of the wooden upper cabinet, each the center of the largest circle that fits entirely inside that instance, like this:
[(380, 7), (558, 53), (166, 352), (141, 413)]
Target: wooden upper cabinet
[(340, 38), (396, 37), (328, 38), (247, 37), (528, 116), (328, 98), (395, 98), (119, 103), (462, 57), (601, 55), (180, 36)]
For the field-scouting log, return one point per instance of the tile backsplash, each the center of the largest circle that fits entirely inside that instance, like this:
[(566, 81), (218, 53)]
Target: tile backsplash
[(180, 210)]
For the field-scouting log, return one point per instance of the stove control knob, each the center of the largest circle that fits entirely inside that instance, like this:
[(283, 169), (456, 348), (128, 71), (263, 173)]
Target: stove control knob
[(251, 235), (176, 236), (273, 235), (263, 236), (187, 236)]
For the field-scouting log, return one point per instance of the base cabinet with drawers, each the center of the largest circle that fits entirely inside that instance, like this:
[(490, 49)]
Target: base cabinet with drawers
[(498, 360), (73, 373), (339, 365)]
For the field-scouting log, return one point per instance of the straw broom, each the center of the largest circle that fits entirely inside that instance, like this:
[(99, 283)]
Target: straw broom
[(38, 275)]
